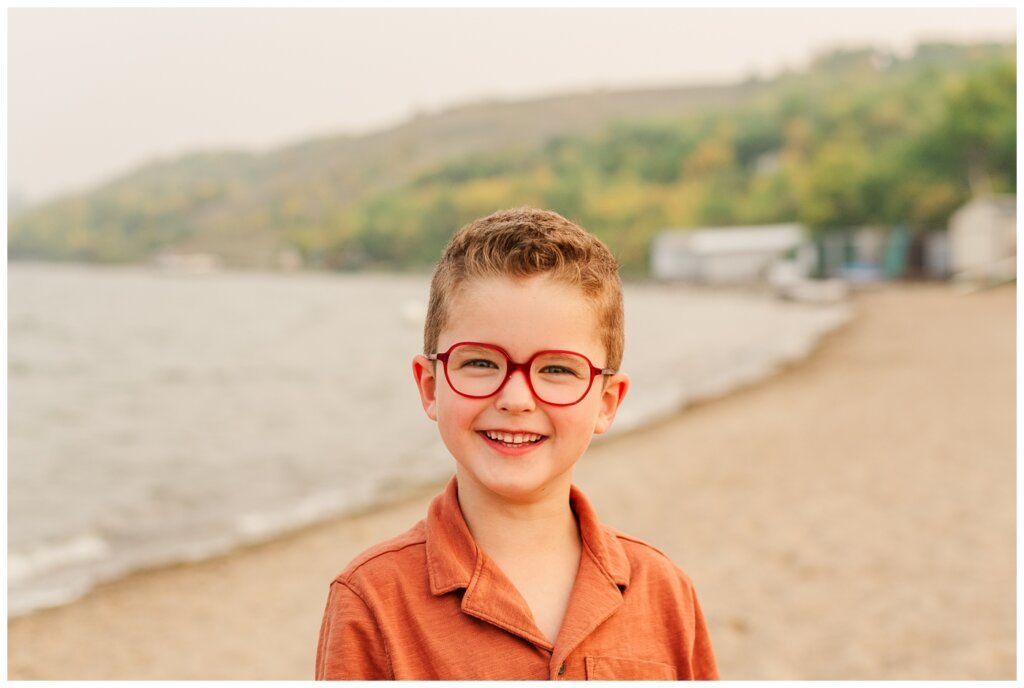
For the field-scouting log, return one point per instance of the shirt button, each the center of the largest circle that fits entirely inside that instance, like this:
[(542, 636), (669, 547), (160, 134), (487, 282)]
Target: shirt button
[(561, 669)]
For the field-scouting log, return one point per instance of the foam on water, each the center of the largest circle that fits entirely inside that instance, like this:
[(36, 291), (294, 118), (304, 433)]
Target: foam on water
[(45, 558)]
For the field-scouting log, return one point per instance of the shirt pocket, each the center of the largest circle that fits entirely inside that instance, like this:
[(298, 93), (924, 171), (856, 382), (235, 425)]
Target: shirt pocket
[(620, 669)]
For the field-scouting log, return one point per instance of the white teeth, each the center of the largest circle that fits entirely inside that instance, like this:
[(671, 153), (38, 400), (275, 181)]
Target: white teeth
[(510, 438)]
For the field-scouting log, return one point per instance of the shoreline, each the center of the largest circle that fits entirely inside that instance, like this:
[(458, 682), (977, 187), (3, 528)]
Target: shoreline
[(255, 612), (758, 336), (152, 459)]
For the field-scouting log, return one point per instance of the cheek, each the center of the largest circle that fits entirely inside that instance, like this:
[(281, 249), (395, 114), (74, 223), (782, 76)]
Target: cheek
[(454, 412), (576, 421)]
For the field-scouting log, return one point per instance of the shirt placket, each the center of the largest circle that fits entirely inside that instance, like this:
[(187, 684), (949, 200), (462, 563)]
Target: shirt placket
[(595, 597)]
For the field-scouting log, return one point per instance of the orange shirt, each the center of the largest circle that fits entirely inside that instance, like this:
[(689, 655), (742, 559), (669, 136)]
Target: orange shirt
[(429, 604)]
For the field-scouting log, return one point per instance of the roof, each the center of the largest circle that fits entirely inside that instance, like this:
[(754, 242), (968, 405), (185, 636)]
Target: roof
[(752, 238)]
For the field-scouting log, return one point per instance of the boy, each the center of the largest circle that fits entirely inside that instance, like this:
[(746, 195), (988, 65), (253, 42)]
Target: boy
[(511, 576)]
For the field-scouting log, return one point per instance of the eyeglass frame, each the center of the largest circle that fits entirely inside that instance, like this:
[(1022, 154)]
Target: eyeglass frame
[(513, 367)]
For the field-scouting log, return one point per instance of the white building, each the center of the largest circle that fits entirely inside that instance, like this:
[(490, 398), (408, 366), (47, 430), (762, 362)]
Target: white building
[(727, 255), (983, 239)]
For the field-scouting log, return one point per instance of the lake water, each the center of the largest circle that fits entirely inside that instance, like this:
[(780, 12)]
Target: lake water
[(156, 418)]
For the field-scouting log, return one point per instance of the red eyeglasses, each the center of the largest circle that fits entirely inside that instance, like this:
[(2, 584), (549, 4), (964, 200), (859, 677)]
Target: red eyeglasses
[(558, 378)]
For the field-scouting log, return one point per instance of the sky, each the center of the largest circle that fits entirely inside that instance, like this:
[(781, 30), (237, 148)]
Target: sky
[(94, 93)]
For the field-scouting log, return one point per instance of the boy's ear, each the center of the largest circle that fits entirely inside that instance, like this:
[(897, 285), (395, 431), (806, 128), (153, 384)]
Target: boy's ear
[(426, 382), (612, 395)]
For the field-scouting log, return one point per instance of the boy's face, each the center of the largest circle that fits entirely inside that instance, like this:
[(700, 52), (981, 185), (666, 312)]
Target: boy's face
[(522, 317)]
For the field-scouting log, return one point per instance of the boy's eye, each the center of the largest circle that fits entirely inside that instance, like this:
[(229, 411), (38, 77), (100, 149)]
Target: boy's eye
[(479, 363), (558, 370)]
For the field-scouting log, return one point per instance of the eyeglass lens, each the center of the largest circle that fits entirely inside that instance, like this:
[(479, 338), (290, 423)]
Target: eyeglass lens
[(557, 378)]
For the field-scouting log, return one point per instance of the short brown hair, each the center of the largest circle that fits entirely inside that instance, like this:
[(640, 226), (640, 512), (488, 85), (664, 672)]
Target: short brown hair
[(524, 242)]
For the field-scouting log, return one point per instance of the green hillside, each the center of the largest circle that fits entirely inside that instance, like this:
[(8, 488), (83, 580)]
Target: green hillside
[(857, 138)]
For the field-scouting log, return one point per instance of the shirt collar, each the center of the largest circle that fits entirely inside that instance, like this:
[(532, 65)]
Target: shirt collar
[(452, 554)]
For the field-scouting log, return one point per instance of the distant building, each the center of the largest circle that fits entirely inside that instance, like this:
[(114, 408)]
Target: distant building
[(983, 239), (726, 255), (864, 254)]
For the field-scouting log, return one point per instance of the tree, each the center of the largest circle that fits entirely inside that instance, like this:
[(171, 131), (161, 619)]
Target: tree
[(980, 127)]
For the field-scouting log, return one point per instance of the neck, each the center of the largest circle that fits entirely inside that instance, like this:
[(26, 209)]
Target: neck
[(511, 529)]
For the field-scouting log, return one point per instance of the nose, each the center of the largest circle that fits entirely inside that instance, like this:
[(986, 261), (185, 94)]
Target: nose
[(516, 396)]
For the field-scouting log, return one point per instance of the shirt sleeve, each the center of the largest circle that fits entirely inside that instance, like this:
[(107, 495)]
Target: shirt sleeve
[(351, 646), (702, 658)]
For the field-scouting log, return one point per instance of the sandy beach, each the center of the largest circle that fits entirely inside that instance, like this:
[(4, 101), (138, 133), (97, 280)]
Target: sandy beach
[(852, 517)]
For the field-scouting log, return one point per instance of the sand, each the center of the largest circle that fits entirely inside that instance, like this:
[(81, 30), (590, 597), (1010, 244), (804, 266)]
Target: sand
[(852, 517)]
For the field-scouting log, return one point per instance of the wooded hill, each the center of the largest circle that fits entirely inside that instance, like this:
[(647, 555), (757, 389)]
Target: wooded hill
[(859, 137)]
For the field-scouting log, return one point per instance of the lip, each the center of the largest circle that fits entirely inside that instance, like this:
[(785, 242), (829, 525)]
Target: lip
[(501, 448)]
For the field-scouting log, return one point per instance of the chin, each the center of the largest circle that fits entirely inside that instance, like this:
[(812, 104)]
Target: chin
[(520, 487)]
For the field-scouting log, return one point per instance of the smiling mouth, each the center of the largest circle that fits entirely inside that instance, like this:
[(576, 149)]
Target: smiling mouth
[(513, 440)]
